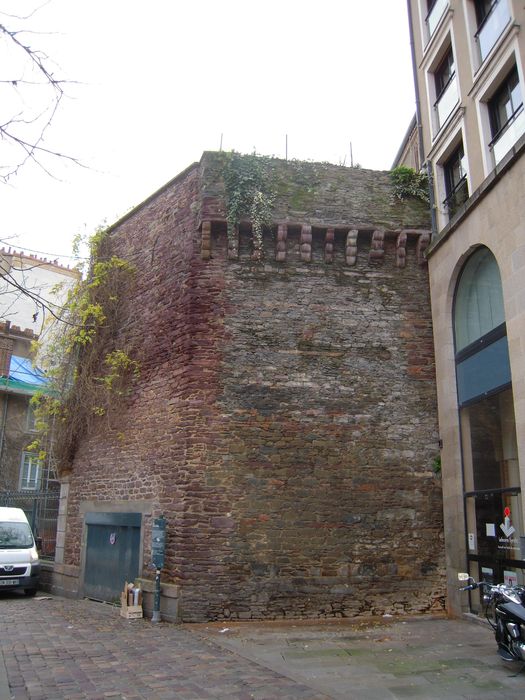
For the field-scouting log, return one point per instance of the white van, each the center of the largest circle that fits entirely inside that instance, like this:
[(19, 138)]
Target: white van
[(19, 564)]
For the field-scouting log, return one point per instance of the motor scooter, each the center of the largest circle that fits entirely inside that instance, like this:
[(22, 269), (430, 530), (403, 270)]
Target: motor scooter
[(504, 608)]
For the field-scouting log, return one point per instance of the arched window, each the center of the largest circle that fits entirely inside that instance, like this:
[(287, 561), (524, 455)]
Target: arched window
[(482, 357), (479, 299)]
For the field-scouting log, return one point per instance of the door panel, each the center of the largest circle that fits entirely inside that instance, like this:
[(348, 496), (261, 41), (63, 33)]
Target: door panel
[(112, 555)]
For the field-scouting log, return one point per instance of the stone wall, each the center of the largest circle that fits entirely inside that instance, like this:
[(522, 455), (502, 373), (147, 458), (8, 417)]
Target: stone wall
[(285, 421)]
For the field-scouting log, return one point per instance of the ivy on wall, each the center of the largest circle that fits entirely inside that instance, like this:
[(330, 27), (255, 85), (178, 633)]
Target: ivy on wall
[(250, 194), (89, 371)]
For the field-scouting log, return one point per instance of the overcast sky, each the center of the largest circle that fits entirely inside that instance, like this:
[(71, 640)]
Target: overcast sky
[(157, 83)]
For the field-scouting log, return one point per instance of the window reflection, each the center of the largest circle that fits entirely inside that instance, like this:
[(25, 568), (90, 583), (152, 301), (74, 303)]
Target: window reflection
[(479, 299)]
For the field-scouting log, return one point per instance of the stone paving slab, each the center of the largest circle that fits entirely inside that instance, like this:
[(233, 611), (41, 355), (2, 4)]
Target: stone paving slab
[(56, 648), (421, 658)]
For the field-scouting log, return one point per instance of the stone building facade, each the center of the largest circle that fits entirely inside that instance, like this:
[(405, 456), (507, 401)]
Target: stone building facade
[(285, 419)]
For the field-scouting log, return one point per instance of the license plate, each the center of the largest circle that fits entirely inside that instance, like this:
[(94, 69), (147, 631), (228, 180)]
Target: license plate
[(8, 581)]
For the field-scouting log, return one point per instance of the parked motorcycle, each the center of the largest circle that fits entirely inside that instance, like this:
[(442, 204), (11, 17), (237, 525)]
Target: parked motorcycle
[(505, 611)]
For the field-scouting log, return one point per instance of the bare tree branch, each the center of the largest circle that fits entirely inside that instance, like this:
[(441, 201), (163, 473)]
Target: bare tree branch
[(30, 95)]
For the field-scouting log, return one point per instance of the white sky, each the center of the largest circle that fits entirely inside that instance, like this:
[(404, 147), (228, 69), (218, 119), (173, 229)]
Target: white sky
[(159, 82)]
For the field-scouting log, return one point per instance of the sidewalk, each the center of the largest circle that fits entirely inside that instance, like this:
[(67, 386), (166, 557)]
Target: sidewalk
[(56, 648), (417, 658)]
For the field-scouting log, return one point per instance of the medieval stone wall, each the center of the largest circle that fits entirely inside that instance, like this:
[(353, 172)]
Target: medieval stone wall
[(313, 491), (131, 453), (285, 420)]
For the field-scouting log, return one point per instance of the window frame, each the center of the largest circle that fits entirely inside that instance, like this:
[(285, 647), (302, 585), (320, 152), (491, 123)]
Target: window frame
[(31, 419), (481, 12), (452, 187), (29, 462), (429, 7), (490, 23), (495, 104), (440, 81)]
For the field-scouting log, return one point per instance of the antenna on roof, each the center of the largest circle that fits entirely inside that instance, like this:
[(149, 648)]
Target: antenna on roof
[(351, 156), (220, 145), (286, 146)]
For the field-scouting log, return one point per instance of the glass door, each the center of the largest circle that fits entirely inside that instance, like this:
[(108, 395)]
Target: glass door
[(492, 490)]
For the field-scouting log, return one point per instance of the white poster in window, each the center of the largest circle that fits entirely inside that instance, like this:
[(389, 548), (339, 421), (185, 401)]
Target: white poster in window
[(510, 578)]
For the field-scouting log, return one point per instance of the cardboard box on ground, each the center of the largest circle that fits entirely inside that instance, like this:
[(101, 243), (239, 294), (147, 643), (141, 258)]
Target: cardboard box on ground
[(131, 602)]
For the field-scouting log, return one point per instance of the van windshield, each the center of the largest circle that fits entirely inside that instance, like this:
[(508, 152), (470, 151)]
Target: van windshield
[(15, 536)]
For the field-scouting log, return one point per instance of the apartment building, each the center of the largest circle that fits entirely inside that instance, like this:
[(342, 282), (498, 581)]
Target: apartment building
[(469, 61), (33, 291)]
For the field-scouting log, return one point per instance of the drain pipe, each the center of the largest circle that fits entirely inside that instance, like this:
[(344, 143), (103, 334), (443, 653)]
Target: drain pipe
[(419, 126)]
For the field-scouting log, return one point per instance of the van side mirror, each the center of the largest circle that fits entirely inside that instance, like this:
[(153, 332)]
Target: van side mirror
[(38, 542)]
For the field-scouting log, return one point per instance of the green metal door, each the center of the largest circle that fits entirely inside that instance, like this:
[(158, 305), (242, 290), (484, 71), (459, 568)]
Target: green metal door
[(112, 553)]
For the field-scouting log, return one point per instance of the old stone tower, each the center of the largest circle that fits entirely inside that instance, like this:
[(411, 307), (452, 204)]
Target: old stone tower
[(284, 421)]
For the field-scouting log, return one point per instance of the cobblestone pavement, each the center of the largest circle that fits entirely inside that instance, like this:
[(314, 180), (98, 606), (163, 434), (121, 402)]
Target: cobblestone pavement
[(55, 648), (58, 648)]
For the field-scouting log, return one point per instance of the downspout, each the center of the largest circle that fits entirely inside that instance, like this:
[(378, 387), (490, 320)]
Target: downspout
[(9, 351), (2, 431), (419, 126)]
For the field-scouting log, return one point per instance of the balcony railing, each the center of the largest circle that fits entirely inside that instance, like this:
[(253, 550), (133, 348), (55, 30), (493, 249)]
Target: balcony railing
[(457, 197), (508, 135), (491, 28), (446, 102), (436, 13)]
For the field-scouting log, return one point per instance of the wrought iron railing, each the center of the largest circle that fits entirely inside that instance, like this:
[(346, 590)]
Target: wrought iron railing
[(456, 197)]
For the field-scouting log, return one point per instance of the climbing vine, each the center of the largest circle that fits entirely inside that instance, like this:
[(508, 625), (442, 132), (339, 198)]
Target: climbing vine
[(409, 183), (250, 194), (88, 368)]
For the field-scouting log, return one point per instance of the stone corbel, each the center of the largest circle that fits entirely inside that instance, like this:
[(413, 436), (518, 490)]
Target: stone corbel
[(401, 249), (233, 242), (377, 250), (206, 240), (282, 234), (329, 245), (306, 243), (351, 247), (422, 245)]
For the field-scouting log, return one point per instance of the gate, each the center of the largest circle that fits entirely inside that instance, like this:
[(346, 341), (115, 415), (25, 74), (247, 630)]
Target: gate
[(41, 509), (112, 553)]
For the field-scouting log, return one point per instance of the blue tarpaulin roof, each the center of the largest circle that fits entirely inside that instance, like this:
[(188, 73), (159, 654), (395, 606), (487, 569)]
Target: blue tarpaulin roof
[(23, 377)]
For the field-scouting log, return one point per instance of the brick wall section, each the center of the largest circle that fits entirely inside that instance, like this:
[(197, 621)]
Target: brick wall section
[(285, 420)]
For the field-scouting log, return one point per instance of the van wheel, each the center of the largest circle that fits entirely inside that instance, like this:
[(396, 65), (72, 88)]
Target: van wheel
[(30, 592)]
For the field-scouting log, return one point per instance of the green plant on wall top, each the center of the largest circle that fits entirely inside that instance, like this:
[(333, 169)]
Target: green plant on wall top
[(409, 183), (88, 369), (250, 194)]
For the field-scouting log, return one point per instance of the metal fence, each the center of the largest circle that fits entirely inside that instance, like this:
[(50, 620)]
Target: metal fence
[(41, 509)]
